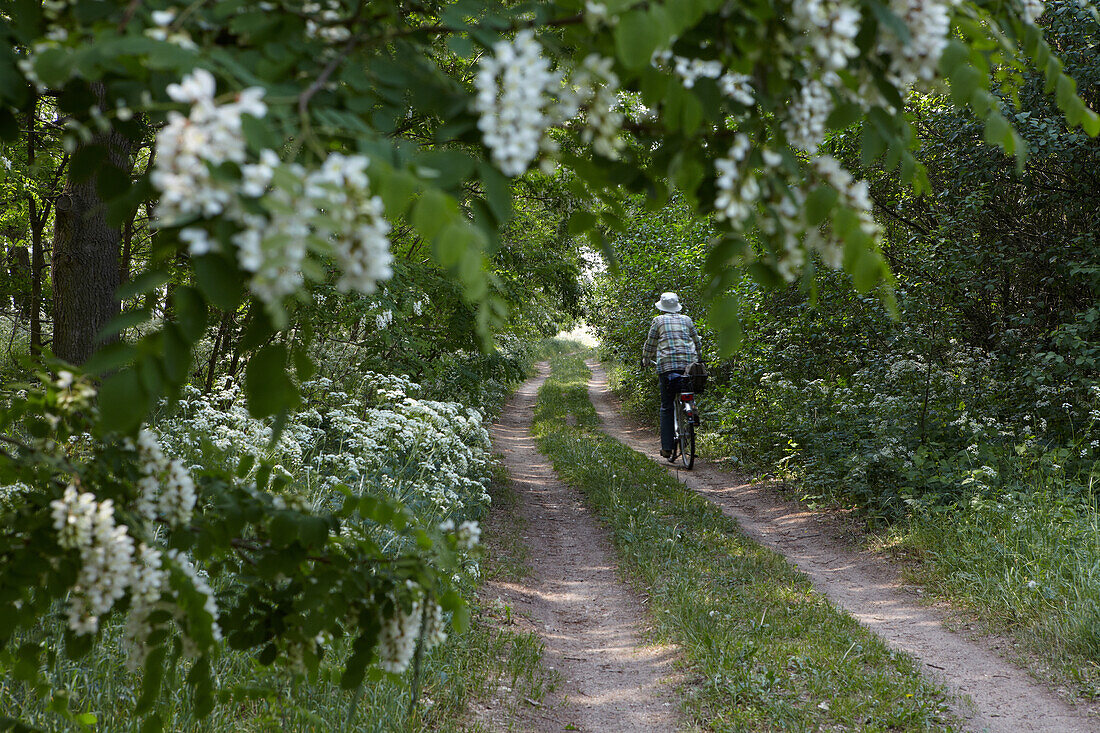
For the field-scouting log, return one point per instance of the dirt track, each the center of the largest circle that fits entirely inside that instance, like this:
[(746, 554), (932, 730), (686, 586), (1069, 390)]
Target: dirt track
[(589, 621), (1005, 698)]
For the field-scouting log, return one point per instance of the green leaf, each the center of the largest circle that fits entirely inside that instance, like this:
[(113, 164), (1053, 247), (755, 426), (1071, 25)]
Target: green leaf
[(636, 39), (433, 211), (819, 204), (498, 191), (125, 320), (268, 387), (177, 355), (219, 280), (190, 310), (303, 364), (843, 115), (110, 357), (460, 46), (112, 182), (581, 221), (53, 66), (954, 55), (144, 283), (1090, 123), (151, 680), (725, 320), (964, 82), (123, 401), (86, 161), (1066, 96), (153, 724), (874, 144)]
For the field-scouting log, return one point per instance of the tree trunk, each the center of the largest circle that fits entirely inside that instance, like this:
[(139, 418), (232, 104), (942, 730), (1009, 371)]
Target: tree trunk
[(86, 260), (19, 270)]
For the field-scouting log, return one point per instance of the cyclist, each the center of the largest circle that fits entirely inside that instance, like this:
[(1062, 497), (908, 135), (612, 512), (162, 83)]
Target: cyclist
[(673, 345)]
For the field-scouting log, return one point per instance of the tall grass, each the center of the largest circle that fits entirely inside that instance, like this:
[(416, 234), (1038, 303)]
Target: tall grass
[(1028, 562)]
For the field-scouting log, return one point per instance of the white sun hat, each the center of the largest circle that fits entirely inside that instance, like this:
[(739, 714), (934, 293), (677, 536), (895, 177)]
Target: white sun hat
[(669, 303)]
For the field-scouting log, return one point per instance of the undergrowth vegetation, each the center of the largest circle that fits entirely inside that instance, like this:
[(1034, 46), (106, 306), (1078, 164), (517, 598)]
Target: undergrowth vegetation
[(367, 435), (762, 650)]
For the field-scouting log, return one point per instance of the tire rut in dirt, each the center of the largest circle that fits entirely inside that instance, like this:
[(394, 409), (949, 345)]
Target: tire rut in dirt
[(589, 621)]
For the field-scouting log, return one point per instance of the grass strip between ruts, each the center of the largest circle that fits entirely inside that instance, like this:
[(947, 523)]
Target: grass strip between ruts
[(761, 649)]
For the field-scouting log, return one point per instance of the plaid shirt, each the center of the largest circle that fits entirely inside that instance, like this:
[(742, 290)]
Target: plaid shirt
[(674, 342)]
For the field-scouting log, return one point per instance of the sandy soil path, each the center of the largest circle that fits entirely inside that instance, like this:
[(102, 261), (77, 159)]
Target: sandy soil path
[(1005, 698), (589, 621)]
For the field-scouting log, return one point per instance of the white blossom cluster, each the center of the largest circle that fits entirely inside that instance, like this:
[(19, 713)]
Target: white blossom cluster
[(854, 194), (398, 636), (166, 485), (188, 147), (468, 535), (222, 417), (325, 22), (737, 192), (397, 639), (738, 87), (198, 580), (596, 14), (110, 565), (514, 96), (74, 393), (785, 226), (331, 207), (734, 85), (149, 583), (830, 29), (916, 60), (519, 97), (595, 88), (106, 553), (162, 30), (342, 440), (804, 125)]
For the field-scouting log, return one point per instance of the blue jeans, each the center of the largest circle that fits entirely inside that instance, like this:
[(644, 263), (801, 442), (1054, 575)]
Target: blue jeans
[(670, 388)]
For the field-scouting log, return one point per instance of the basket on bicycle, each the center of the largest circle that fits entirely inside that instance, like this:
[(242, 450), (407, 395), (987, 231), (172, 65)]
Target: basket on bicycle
[(695, 378)]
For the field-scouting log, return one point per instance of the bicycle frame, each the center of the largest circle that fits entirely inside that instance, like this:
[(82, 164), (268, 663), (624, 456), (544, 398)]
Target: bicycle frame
[(684, 420)]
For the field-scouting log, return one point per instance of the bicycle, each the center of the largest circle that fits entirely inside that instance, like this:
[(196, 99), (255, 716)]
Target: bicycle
[(685, 417)]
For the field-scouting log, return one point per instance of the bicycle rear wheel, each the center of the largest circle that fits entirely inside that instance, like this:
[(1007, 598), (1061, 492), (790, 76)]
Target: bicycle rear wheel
[(686, 437)]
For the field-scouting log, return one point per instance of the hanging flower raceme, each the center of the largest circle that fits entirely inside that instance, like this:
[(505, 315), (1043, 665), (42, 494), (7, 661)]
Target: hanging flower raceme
[(830, 29), (279, 208), (519, 97), (915, 60), (188, 148), (514, 88), (806, 116), (737, 87), (166, 485), (106, 555)]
